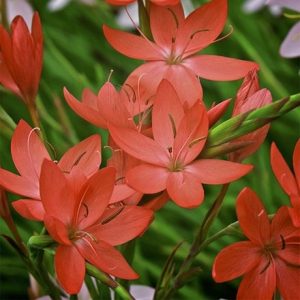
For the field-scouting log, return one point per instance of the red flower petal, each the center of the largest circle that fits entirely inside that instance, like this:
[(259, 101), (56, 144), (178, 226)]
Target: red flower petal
[(165, 17), (106, 258), (132, 45), (258, 99), (85, 156), (54, 189), (139, 146), (166, 114), (133, 221), (252, 217), (191, 135), (215, 171), (190, 92), (290, 254), (201, 27), (185, 190), (282, 225), (148, 178), (57, 229), (141, 85), (295, 214), (219, 68), (235, 260), (111, 105), (30, 209), (282, 172), (158, 202), (258, 284), (95, 196), (296, 163), (288, 280), (70, 268), (28, 152), (84, 109), (18, 185), (217, 111)]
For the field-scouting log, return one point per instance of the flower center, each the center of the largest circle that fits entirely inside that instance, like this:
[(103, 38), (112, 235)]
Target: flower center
[(81, 234)]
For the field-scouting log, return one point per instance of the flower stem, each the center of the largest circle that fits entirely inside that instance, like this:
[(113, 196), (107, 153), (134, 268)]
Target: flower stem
[(106, 279), (197, 246), (144, 20), (3, 9), (91, 287)]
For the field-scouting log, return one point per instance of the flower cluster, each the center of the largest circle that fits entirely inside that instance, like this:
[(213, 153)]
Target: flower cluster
[(162, 138)]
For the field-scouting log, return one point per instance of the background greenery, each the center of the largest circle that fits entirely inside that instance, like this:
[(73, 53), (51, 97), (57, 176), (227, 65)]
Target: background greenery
[(77, 56)]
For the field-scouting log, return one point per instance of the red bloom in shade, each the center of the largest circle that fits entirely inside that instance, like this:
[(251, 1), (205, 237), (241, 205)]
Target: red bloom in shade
[(249, 97), (169, 158), (83, 225), (172, 54), (28, 153), (269, 259), (288, 181), (21, 57), (158, 2), (109, 105)]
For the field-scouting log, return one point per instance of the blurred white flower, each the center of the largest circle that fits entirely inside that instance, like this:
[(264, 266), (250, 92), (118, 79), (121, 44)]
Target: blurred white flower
[(54, 5), (251, 6), (124, 21), (19, 7), (142, 292)]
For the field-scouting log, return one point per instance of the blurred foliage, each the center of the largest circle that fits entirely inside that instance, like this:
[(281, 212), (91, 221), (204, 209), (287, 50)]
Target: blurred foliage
[(77, 56)]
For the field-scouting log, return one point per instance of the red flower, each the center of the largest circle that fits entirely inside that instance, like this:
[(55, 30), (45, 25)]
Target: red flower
[(288, 181), (21, 57), (28, 153), (172, 54), (250, 97), (269, 260), (108, 106), (169, 158), (84, 227), (158, 2)]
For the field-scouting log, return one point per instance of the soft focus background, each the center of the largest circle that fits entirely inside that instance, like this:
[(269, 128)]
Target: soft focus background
[(77, 56)]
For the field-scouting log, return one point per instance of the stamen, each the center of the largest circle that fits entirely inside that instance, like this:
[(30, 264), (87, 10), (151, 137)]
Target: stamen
[(141, 32), (133, 92), (110, 74), (82, 234), (78, 160), (231, 29), (87, 210), (282, 242), (112, 216), (215, 41), (89, 243), (198, 31), (52, 149), (174, 16), (197, 140), (120, 180), (173, 125), (265, 267), (28, 149)]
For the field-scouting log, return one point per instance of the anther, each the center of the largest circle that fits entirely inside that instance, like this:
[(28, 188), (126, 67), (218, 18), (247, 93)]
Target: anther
[(282, 242)]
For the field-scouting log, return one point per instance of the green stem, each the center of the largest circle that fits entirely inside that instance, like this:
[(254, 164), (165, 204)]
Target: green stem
[(197, 244), (104, 278), (91, 288), (144, 20), (3, 9), (245, 123)]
